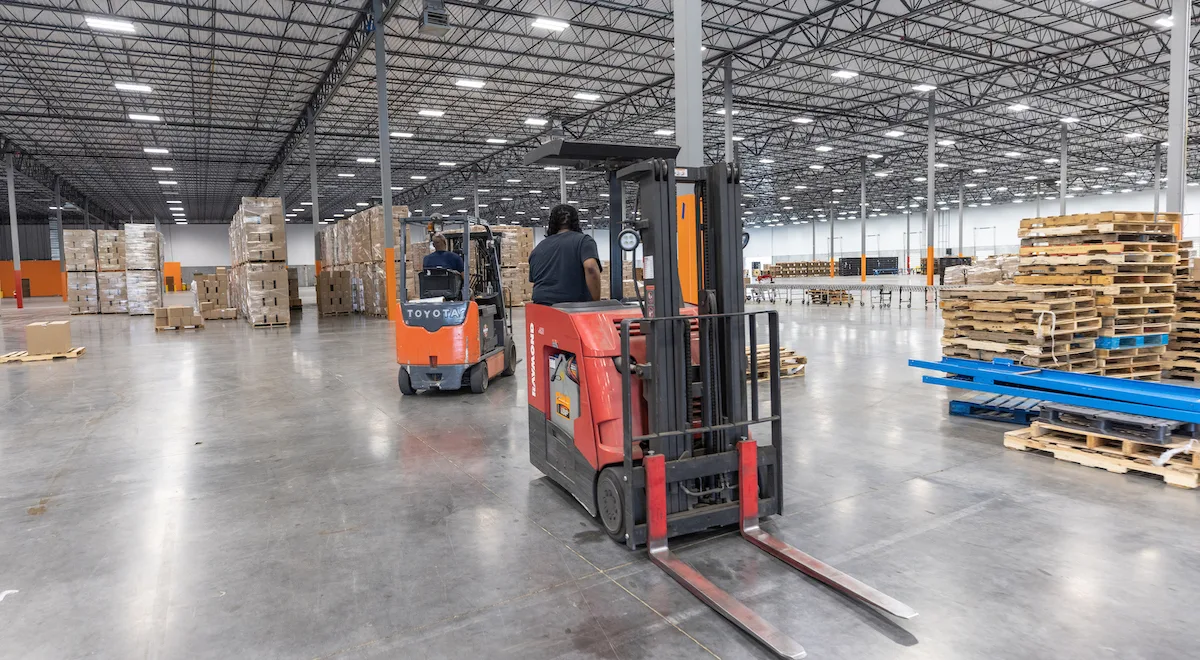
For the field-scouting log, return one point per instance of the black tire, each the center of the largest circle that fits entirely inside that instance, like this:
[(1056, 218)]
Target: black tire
[(405, 382), (610, 503), (479, 378), (510, 360)]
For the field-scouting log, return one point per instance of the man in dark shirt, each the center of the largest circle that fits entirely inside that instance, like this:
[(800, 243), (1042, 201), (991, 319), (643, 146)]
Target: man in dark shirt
[(565, 266), (440, 257)]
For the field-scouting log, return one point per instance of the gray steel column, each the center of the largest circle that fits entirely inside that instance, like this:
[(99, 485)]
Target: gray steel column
[(87, 214), (689, 71), (930, 170), (62, 260), (907, 233), (282, 174), (1062, 170), (475, 182), (814, 225), (962, 197), (862, 217), (831, 221), (1038, 209), (729, 109), (562, 184), (1177, 113), (385, 146), (1157, 174), (15, 233), (313, 188)]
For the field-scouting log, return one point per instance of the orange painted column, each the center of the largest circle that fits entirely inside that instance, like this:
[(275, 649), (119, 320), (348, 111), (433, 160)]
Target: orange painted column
[(863, 267), (17, 288), (317, 269), (929, 266), (832, 268), (64, 285), (389, 270)]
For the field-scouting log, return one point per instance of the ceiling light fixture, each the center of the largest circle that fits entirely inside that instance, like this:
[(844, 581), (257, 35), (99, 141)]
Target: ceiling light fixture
[(431, 113), (140, 117), (894, 134), (844, 74), (802, 120), (945, 143), (155, 150), (418, 177), (100, 23), (133, 87), (551, 24), (364, 160), (816, 167), (446, 163), (663, 132), (1069, 120), (766, 161), (823, 148), (1013, 154), (496, 141), (169, 183), (1164, 22), (721, 111), (536, 121), (163, 169), (346, 175), (470, 84), (586, 96), (400, 134), (924, 87), (979, 170), (1018, 107)]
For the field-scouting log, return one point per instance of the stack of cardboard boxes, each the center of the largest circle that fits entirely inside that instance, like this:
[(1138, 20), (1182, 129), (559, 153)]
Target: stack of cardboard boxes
[(294, 288), (259, 279), (110, 276), (515, 245), (356, 245), (334, 293), (79, 253), (626, 280), (211, 295), (176, 318), (143, 268)]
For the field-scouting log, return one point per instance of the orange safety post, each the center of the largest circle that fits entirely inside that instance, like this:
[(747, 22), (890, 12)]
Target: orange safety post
[(863, 267), (317, 270), (389, 260), (929, 266), (64, 285), (832, 271)]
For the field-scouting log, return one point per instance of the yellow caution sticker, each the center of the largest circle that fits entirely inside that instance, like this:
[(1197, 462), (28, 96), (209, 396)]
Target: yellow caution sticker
[(562, 405)]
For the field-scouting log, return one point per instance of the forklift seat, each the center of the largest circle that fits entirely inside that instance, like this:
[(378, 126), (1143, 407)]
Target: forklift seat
[(443, 282)]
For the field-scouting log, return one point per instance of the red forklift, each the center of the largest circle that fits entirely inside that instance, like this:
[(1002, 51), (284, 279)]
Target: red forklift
[(642, 409)]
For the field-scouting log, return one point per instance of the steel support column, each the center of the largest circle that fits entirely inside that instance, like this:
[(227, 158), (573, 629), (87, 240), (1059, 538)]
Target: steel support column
[(616, 222), (907, 234), (930, 169), (1177, 112), (562, 185), (862, 218), (728, 68), (62, 255), (1062, 169), (832, 271), (689, 71), (1157, 174), (385, 161), (962, 202), (475, 183), (314, 190), (18, 293)]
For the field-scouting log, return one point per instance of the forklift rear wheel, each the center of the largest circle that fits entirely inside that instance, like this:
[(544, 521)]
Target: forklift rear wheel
[(510, 360), (610, 503), (405, 382), (479, 378)]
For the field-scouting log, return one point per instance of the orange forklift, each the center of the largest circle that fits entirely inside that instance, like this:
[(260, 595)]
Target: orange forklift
[(642, 410), (457, 332)]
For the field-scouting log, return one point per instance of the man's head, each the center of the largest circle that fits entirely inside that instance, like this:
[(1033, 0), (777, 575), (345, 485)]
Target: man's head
[(563, 217), (439, 242)]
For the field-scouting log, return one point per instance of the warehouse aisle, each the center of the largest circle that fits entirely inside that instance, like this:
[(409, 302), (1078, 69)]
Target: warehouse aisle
[(240, 493)]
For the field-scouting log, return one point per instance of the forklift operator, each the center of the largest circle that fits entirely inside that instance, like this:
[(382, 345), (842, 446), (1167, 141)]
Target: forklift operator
[(565, 266), (441, 257)]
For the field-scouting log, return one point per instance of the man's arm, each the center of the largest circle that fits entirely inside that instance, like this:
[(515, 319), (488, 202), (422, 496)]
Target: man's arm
[(591, 272)]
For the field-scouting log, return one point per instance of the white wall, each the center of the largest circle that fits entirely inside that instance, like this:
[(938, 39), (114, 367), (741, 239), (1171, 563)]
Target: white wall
[(995, 227), (208, 245)]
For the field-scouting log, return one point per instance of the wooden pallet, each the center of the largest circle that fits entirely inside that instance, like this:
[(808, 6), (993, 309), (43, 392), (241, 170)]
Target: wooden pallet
[(791, 363), (1059, 349), (1165, 228), (282, 324), (1134, 262), (1112, 454), (1140, 217), (24, 356), (158, 328)]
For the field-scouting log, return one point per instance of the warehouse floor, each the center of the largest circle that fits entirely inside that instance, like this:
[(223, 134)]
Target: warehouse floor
[(240, 493)]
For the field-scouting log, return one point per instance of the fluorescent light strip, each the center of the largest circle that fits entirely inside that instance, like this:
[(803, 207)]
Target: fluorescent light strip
[(552, 24), (114, 25), (155, 150), (140, 117), (431, 113), (133, 87)]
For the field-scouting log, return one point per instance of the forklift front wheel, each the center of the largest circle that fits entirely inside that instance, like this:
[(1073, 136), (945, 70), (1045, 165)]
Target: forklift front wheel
[(510, 360), (479, 378), (610, 503), (405, 382)]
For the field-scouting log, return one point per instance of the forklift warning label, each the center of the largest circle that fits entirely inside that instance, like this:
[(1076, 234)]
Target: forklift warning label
[(532, 364), (562, 405)]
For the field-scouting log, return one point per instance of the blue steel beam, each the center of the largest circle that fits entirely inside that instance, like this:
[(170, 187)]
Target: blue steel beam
[(1096, 388)]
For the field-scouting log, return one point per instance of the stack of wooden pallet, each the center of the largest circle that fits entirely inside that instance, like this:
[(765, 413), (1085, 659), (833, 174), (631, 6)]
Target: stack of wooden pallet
[(830, 297), (1129, 260), (791, 363), (1037, 326), (1183, 351)]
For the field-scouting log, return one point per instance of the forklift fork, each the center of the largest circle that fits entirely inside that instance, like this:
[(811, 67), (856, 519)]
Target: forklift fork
[(718, 599)]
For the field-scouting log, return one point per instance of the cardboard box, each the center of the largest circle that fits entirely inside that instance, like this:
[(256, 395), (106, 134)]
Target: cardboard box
[(48, 337)]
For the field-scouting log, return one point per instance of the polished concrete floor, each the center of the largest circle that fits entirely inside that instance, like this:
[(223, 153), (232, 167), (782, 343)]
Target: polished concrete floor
[(241, 493)]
